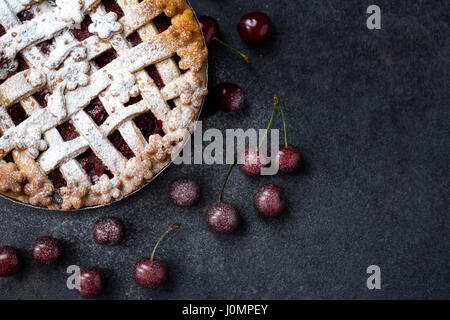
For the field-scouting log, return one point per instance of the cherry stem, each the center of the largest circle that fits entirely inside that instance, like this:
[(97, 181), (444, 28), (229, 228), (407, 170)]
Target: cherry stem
[(171, 228), (244, 56), (276, 100), (269, 125), (224, 182)]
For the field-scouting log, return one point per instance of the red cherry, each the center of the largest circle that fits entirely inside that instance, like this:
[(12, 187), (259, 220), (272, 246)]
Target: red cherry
[(289, 158), (108, 231), (229, 97), (223, 218), (210, 28), (250, 162), (91, 282), (46, 250), (184, 192), (269, 200), (150, 274), (10, 261), (255, 27)]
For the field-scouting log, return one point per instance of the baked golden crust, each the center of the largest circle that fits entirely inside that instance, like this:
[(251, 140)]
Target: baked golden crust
[(32, 149), (171, 7)]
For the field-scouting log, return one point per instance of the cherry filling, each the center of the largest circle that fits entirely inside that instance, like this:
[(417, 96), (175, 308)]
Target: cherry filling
[(17, 113), (154, 74), (68, 131), (2, 30), (58, 182), (40, 97), (134, 39), (177, 60), (96, 111), (149, 125), (93, 166), (25, 15), (133, 100), (162, 22), (111, 5), (171, 104), (22, 64), (46, 46), (121, 145), (9, 157), (105, 58), (83, 33)]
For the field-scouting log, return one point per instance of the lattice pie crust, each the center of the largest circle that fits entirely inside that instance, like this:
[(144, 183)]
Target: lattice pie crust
[(95, 96)]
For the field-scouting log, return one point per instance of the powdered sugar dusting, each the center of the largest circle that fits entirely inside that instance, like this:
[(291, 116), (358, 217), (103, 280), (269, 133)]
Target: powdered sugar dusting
[(36, 79), (125, 87), (105, 25), (70, 10), (62, 51), (75, 74)]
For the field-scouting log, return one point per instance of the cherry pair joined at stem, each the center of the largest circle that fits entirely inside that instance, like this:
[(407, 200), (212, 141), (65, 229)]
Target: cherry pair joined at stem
[(288, 156)]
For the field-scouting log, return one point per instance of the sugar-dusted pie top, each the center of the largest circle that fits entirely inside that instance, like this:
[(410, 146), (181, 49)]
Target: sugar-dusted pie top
[(95, 96)]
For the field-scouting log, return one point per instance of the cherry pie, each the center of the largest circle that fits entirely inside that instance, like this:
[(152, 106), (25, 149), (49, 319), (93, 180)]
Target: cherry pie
[(95, 96)]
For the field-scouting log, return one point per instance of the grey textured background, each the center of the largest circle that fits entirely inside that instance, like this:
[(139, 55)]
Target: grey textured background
[(370, 110)]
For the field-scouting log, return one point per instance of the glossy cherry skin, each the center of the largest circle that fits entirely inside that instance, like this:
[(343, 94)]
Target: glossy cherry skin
[(229, 97), (150, 274), (269, 200), (210, 28), (184, 192), (108, 231), (250, 162), (223, 218), (289, 158), (91, 282), (255, 27), (46, 250), (10, 261)]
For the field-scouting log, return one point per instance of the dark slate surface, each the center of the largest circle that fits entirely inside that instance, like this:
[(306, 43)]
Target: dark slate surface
[(370, 109)]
